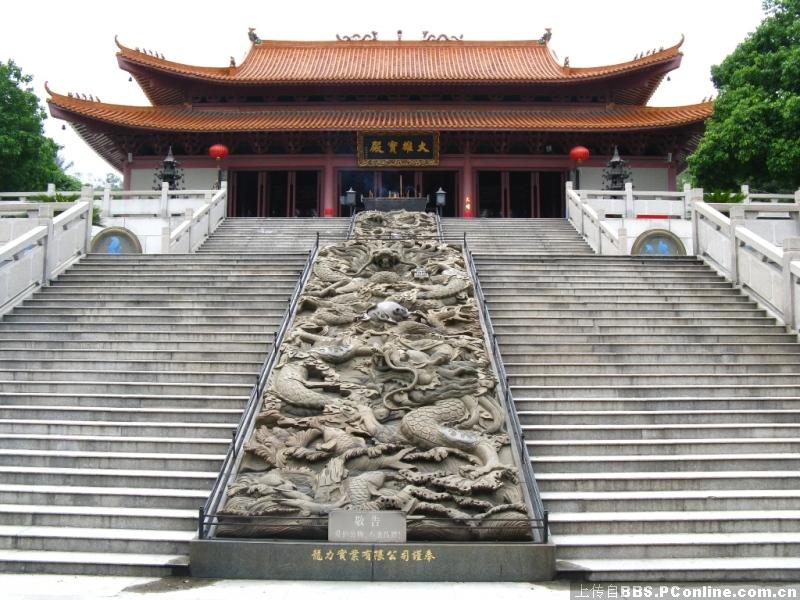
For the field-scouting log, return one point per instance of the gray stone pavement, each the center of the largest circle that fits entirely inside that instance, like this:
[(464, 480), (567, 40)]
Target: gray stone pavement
[(69, 587)]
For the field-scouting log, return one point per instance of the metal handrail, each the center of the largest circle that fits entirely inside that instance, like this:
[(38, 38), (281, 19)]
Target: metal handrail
[(439, 231), (527, 469), (215, 497), (352, 225)]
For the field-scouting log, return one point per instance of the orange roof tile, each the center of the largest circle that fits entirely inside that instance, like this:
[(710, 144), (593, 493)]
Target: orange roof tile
[(374, 62), (348, 117)]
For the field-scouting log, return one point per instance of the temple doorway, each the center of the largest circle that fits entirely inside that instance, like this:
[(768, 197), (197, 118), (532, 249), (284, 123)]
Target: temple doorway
[(402, 182), (274, 194), (520, 194)]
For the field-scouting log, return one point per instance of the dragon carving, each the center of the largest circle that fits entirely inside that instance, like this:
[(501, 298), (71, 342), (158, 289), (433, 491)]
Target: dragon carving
[(383, 397)]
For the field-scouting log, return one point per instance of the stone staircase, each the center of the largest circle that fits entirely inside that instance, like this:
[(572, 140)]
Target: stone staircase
[(516, 236), (661, 409), (120, 387), (247, 235)]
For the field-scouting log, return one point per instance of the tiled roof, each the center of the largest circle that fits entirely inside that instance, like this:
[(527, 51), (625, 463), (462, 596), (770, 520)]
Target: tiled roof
[(349, 117), (379, 62)]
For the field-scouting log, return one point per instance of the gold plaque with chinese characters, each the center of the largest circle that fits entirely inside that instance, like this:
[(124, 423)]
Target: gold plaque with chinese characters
[(398, 149)]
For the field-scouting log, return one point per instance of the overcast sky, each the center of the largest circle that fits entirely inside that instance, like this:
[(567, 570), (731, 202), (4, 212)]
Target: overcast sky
[(71, 44)]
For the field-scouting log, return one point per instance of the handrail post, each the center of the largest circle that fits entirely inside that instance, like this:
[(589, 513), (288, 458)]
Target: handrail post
[(165, 239), (49, 248), (189, 217), (630, 212), (87, 195), (107, 201), (736, 217), (791, 253), (164, 208), (745, 189), (201, 524)]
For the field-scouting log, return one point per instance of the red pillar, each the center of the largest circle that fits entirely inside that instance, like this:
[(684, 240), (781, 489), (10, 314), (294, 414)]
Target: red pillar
[(328, 187), (467, 189)]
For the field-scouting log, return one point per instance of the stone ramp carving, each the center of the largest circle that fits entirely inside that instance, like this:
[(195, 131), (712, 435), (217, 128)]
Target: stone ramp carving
[(383, 398)]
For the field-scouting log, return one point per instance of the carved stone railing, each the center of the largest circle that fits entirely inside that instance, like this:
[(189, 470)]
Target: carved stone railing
[(43, 250), (198, 225), (768, 273)]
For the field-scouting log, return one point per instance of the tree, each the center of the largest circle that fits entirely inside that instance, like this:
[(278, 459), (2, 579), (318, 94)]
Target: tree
[(754, 134), (28, 159)]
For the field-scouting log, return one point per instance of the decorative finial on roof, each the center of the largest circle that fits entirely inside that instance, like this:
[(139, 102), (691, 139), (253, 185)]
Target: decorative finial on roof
[(367, 37), (430, 37), (253, 36), (566, 61), (548, 33), (399, 35), (233, 62)]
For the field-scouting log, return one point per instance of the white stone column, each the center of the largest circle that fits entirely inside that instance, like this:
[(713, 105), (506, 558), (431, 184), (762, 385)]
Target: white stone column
[(791, 252)]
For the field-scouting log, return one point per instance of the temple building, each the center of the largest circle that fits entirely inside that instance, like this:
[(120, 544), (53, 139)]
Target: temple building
[(491, 123)]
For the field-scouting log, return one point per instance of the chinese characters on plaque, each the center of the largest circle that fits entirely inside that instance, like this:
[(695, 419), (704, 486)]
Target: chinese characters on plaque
[(373, 554), (366, 526), (399, 149)]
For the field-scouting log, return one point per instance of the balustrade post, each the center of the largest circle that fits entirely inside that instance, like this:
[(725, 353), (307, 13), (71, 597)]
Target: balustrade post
[(630, 213), (797, 196), (622, 234), (745, 189), (87, 195), (51, 189), (189, 217), (165, 199), (49, 249), (791, 253), (687, 200), (107, 201), (697, 196), (165, 233), (737, 217)]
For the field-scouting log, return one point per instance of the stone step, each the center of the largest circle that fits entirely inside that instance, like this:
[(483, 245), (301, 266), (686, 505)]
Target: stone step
[(642, 322), (607, 429), (666, 359), (91, 477), (99, 497), (655, 329), (729, 569), (263, 328), (678, 500), (677, 522), (116, 564), (115, 428), (650, 368), (93, 374), (128, 387), (678, 448), (654, 391), (660, 403), (149, 303), (125, 402), (517, 346), (87, 443), (700, 545), (742, 460), (127, 353), (716, 312), (657, 418), (78, 539), (81, 459), (125, 413), (150, 366), (654, 378), (99, 517), (667, 481), (232, 340)]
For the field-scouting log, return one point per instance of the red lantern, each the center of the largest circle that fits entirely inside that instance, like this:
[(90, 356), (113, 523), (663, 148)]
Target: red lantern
[(218, 151), (579, 154)]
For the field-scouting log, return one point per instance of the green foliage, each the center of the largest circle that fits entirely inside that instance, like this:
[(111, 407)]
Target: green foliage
[(754, 134), (28, 159), (722, 196)]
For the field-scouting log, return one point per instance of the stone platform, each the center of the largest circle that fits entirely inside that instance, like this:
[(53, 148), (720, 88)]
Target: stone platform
[(414, 561)]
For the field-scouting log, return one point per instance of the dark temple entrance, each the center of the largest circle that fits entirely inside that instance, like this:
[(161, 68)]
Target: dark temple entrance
[(274, 194), (386, 182), (520, 194)]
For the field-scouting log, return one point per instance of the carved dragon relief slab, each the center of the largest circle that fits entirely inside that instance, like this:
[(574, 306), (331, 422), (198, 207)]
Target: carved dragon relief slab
[(383, 397)]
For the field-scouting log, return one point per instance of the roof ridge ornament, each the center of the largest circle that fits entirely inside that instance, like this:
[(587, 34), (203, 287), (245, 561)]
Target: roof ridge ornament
[(367, 37), (548, 33), (430, 37), (253, 36)]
